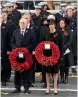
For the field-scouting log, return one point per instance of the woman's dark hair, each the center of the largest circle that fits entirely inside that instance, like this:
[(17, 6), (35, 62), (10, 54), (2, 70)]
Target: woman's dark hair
[(65, 21), (44, 6), (51, 21)]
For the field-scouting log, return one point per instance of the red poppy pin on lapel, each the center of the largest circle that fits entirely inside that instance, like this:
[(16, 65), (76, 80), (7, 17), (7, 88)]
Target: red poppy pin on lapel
[(3, 27), (31, 27), (65, 34), (55, 35), (26, 31)]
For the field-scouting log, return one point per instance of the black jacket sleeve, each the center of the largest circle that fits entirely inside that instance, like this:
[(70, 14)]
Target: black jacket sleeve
[(12, 27), (61, 44), (43, 32), (70, 40), (41, 35), (12, 43), (33, 43)]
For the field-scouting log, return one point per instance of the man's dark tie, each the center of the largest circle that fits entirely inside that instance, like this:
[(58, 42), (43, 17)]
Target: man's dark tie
[(22, 35)]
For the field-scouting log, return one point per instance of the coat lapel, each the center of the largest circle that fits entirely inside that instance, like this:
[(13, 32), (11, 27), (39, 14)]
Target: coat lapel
[(19, 36), (25, 34)]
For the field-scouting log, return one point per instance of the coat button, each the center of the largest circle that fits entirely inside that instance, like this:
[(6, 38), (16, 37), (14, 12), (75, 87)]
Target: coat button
[(72, 30)]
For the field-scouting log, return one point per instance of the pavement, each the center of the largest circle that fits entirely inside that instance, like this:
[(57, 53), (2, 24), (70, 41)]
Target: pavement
[(64, 90)]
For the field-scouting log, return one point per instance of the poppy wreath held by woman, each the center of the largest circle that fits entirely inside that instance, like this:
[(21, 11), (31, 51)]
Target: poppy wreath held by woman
[(47, 53), (21, 59)]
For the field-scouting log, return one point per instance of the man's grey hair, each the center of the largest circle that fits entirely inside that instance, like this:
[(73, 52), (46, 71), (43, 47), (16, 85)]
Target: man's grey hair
[(27, 14)]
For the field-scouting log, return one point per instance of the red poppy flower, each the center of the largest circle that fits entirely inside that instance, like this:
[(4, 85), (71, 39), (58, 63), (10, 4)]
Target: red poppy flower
[(3, 27), (47, 60), (17, 65), (65, 34), (55, 35)]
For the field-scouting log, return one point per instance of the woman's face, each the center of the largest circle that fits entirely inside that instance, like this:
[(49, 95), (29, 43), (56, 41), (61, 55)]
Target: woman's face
[(45, 7), (4, 16), (52, 26), (62, 24)]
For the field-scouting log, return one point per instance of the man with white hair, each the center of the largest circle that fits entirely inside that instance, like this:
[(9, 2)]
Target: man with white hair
[(22, 38), (60, 14), (31, 26)]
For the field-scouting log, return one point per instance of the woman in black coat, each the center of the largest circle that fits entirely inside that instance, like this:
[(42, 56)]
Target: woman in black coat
[(53, 35), (68, 58)]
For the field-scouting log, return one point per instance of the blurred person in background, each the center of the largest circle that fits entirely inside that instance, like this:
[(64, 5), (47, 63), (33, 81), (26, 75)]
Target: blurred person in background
[(72, 23), (4, 42), (44, 12), (75, 11), (61, 14), (28, 5), (68, 57), (37, 19), (8, 7), (11, 27), (15, 15)]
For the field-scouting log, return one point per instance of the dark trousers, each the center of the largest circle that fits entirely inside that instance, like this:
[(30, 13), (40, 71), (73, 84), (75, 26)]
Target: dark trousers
[(3, 75), (25, 77), (4, 67), (33, 70), (64, 67), (64, 72), (33, 73), (9, 68), (75, 60)]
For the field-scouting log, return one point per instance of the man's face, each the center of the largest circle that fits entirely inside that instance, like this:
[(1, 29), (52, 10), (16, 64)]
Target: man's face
[(38, 11), (70, 12), (52, 26), (63, 9), (10, 9), (4, 16), (23, 23), (27, 17)]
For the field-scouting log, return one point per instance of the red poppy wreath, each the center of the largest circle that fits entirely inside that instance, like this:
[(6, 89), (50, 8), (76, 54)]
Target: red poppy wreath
[(24, 63), (49, 56)]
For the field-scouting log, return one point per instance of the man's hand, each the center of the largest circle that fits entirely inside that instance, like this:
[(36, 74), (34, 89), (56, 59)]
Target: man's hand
[(33, 53), (8, 52)]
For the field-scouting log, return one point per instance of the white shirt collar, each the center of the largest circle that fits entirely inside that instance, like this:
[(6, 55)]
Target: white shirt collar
[(28, 26), (5, 22), (23, 30)]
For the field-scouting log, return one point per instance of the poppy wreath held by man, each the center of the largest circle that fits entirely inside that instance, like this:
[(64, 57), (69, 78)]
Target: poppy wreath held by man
[(47, 53), (21, 59)]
